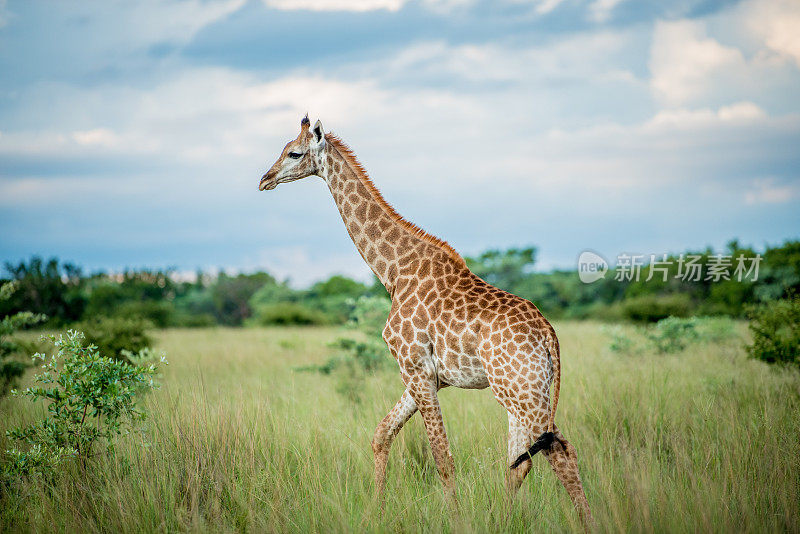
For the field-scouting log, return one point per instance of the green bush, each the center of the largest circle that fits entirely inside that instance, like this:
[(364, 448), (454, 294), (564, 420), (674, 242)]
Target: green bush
[(776, 331), (91, 398), (289, 313), (10, 368), (672, 334), (620, 342), (112, 335), (191, 320), (358, 357), (716, 329), (652, 308), (160, 314)]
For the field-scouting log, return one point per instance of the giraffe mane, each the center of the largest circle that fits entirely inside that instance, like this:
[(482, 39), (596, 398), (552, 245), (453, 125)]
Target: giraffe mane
[(362, 175)]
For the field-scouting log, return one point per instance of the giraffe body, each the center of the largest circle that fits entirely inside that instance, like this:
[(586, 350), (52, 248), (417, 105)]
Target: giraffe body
[(446, 326)]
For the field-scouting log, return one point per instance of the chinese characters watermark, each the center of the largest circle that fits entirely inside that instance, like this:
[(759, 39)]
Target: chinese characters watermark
[(685, 267)]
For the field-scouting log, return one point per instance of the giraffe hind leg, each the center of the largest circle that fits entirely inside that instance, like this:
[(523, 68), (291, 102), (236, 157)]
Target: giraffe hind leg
[(543, 443), (518, 439), (563, 459)]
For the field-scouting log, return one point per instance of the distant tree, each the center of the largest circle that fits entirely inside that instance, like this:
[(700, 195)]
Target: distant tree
[(231, 296), (48, 288), (506, 269)]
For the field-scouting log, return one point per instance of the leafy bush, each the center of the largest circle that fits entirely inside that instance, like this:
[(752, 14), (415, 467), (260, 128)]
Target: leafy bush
[(289, 313), (11, 369), (358, 357), (91, 398), (776, 331), (112, 335), (620, 342), (672, 334), (159, 314), (716, 329), (652, 308)]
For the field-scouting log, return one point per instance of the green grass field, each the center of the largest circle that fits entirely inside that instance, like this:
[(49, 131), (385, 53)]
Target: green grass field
[(702, 440)]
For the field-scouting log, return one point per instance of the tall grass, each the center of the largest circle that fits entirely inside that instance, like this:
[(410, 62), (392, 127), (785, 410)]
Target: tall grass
[(701, 440)]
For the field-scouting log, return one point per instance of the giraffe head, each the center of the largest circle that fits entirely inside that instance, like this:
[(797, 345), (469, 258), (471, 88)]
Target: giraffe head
[(301, 157)]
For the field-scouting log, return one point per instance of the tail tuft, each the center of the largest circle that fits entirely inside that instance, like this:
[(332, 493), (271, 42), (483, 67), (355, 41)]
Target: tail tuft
[(543, 442)]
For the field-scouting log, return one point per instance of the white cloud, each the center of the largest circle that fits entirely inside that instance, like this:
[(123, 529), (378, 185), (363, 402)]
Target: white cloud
[(600, 10), (684, 61), (122, 26), (693, 118), (336, 5), (546, 6), (768, 191), (96, 136), (777, 24)]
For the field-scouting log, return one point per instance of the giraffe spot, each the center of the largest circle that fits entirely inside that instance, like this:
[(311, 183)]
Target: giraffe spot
[(386, 251), (424, 268), (374, 211), (362, 191), (361, 213), (425, 288), (372, 231)]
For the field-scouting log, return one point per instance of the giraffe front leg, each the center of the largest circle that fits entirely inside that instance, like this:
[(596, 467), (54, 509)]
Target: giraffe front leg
[(424, 394), (386, 432)]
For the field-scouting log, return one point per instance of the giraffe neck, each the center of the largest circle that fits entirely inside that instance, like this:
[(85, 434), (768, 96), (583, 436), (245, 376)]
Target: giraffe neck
[(384, 239)]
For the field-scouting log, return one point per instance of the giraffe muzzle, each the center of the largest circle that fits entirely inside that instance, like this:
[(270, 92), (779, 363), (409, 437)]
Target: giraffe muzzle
[(267, 183)]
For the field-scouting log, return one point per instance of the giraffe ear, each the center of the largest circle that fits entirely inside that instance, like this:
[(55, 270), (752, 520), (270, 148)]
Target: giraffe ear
[(319, 134)]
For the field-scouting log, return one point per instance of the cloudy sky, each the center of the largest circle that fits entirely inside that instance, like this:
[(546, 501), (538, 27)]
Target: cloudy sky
[(135, 133)]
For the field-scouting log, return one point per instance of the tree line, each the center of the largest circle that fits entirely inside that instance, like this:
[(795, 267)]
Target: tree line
[(66, 295)]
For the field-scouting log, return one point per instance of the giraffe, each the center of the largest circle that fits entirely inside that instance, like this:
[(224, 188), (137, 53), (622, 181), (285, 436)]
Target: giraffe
[(446, 326)]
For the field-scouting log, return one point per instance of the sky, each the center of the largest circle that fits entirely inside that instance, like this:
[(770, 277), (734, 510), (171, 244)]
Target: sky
[(134, 134)]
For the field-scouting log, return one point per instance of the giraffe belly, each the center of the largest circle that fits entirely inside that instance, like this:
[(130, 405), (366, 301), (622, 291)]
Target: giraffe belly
[(462, 370)]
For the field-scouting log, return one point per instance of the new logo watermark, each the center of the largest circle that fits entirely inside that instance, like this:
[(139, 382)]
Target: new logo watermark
[(591, 267), (686, 267)]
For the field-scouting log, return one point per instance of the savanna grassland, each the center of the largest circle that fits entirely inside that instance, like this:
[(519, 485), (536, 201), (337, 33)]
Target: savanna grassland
[(237, 440)]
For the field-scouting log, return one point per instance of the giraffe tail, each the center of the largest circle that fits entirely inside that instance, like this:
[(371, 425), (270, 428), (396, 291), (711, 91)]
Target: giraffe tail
[(545, 441), (555, 357)]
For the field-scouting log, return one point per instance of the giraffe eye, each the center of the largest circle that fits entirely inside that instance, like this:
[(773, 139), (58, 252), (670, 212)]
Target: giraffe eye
[(295, 155)]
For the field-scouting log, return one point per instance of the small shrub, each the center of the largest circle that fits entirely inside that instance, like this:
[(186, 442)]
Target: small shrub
[(620, 342), (716, 329), (289, 313), (651, 309), (112, 335), (91, 398), (193, 320), (358, 357), (160, 314), (10, 368), (672, 334), (776, 331)]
